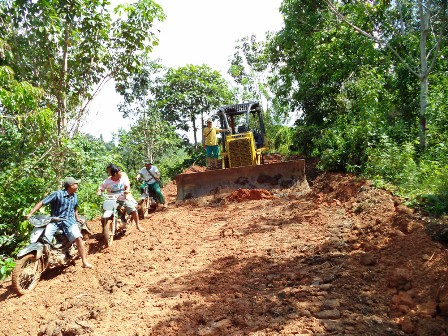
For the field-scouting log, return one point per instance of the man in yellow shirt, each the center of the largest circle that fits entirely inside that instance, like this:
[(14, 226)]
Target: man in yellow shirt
[(211, 144)]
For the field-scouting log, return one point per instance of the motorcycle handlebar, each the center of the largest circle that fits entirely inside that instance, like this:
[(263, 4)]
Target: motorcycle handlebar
[(42, 220), (111, 196)]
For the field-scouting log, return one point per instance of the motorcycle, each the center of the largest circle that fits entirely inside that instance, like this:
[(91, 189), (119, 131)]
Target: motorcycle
[(148, 202), (115, 220), (40, 255)]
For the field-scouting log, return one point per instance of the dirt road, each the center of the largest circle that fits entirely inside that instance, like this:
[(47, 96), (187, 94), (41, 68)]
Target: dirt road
[(341, 259)]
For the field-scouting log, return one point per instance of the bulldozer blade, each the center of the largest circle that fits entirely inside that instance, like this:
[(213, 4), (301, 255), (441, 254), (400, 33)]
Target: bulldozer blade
[(215, 183)]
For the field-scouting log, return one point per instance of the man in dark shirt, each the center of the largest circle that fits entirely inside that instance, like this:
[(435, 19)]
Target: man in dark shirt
[(64, 204)]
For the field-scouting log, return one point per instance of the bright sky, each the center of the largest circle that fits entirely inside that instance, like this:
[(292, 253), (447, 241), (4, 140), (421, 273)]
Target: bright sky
[(195, 32)]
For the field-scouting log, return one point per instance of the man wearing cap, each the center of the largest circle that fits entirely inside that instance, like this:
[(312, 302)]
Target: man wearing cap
[(151, 177), (64, 204), (211, 144)]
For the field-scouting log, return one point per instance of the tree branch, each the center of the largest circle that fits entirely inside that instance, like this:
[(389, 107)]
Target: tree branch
[(372, 37)]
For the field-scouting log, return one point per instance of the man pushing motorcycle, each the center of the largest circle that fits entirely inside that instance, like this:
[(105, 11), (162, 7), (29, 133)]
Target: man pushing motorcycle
[(64, 204), (151, 178)]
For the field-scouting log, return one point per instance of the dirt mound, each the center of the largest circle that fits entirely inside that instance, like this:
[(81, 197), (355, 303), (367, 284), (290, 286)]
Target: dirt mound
[(272, 158), (241, 195), (194, 169), (342, 259)]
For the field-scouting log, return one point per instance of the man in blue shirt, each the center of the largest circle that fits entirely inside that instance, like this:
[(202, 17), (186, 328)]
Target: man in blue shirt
[(64, 204)]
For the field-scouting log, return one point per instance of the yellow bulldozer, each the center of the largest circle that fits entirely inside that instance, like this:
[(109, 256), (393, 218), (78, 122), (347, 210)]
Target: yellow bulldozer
[(247, 142), (242, 150)]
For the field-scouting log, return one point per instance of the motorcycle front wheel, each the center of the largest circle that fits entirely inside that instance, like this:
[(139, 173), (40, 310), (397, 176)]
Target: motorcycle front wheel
[(142, 208), (109, 229), (26, 274)]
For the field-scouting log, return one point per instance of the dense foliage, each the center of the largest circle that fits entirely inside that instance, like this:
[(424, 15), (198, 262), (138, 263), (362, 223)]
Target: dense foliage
[(369, 81), (71, 48)]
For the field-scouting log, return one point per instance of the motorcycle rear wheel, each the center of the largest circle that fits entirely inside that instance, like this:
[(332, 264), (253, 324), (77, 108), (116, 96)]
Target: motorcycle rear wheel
[(109, 230), (26, 274)]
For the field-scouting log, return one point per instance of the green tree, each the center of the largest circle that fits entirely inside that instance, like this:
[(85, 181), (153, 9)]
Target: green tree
[(26, 125), (72, 48), (412, 28), (189, 92), (151, 136), (314, 57), (31, 153), (249, 68)]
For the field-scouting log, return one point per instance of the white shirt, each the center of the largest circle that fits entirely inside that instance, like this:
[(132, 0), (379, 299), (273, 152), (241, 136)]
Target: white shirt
[(116, 187), (147, 177)]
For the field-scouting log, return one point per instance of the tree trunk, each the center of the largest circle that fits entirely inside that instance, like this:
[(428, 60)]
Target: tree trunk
[(400, 11), (424, 30), (202, 128), (62, 82), (195, 129), (146, 135), (423, 103)]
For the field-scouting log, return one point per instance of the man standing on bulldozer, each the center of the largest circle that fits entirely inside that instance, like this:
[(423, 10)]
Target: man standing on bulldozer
[(211, 145)]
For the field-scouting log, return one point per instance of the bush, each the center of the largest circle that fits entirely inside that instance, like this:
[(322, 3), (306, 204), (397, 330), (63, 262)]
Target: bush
[(303, 140), (421, 180), (7, 264)]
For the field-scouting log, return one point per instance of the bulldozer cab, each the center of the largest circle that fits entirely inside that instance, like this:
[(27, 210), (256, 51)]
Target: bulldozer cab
[(246, 142)]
